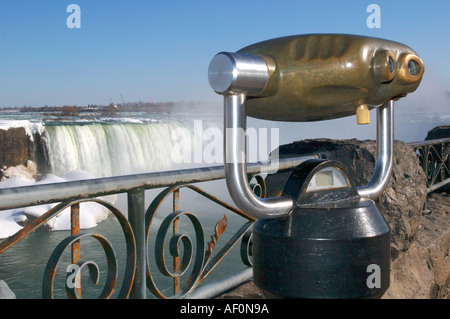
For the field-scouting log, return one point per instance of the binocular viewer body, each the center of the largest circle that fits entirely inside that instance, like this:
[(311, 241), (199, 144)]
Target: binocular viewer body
[(322, 76)]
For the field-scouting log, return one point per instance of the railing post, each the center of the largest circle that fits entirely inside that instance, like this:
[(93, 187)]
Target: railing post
[(75, 249), (136, 217), (175, 229)]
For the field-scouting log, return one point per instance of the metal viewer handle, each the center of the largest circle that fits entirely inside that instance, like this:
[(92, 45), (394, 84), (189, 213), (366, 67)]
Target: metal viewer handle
[(235, 76), (236, 166), (385, 153)]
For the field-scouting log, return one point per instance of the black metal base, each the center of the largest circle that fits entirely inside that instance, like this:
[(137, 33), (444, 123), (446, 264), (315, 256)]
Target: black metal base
[(323, 253)]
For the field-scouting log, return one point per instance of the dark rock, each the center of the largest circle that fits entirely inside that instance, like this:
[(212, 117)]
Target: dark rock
[(422, 272), (438, 132), (40, 154), (17, 148), (246, 291), (14, 147), (401, 203)]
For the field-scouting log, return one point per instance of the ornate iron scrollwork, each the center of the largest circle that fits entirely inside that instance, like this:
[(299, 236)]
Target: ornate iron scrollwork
[(74, 240), (246, 248), (204, 260), (434, 159), (72, 292), (257, 185)]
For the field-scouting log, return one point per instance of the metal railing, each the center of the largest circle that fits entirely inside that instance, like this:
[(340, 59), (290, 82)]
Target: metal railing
[(434, 158), (138, 276)]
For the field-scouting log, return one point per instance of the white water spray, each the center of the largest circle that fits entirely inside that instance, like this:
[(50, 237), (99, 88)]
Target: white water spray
[(120, 148)]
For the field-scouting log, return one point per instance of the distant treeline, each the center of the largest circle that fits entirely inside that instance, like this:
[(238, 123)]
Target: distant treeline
[(113, 108), (74, 110)]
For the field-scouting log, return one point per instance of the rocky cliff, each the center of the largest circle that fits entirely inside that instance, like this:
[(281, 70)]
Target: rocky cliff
[(18, 148), (14, 147)]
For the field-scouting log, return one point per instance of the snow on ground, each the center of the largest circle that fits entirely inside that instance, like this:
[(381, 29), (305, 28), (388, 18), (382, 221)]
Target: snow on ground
[(30, 128), (12, 219)]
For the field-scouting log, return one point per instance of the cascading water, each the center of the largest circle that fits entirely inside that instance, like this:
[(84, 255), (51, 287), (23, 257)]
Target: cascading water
[(121, 148)]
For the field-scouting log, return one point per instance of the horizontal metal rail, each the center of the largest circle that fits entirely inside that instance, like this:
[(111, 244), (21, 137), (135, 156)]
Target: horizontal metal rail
[(436, 186), (429, 142), (50, 193), (221, 286)]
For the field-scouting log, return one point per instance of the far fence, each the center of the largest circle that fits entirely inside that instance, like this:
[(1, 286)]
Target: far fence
[(434, 158)]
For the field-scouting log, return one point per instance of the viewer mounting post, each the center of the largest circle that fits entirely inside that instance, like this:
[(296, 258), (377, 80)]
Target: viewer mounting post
[(331, 228)]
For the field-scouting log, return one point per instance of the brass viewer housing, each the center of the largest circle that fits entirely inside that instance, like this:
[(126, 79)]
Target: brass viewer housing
[(326, 76)]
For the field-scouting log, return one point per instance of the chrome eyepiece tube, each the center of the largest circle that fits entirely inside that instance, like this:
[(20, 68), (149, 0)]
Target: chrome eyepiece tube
[(385, 153), (234, 73), (235, 76)]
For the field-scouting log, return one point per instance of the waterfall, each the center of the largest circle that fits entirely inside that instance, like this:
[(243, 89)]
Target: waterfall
[(105, 149)]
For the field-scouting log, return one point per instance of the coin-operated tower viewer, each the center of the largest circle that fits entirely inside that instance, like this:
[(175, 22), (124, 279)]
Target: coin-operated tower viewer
[(324, 236)]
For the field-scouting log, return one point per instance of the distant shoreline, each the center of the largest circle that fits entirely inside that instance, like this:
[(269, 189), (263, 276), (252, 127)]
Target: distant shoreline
[(149, 107)]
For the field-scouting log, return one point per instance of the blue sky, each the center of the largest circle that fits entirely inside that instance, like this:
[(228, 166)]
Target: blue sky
[(162, 49)]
